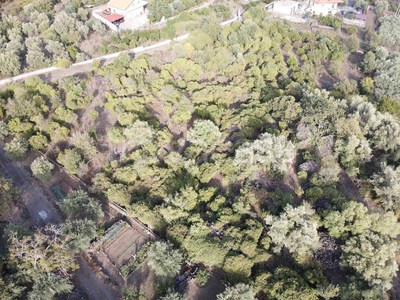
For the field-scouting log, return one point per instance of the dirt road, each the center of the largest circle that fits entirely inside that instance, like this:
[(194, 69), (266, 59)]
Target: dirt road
[(94, 287), (38, 205), (53, 74)]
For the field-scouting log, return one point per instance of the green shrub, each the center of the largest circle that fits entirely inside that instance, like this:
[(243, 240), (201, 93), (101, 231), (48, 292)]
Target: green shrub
[(351, 30), (63, 63), (135, 261), (331, 21), (389, 105), (202, 277)]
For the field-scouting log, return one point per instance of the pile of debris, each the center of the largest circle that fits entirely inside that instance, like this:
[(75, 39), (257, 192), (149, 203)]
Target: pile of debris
[(329, 253)]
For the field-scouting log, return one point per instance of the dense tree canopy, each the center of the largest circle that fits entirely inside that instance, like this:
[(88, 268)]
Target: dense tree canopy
[(238, 292), (256, 148), (165, 260), (270, 153), (389, 35), (294, 229)]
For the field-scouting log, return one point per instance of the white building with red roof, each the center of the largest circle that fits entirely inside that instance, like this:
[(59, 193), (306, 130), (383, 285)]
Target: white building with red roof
[(325, 7), (125, 14), (128, 9)]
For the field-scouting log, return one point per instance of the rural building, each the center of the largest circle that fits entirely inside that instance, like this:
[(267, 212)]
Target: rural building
[(325, 7), (116, 12), (127, 9), (287, 7)]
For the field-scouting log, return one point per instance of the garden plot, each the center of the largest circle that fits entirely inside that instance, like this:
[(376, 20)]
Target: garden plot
[(121, 242), (121, 252), (122, 247)]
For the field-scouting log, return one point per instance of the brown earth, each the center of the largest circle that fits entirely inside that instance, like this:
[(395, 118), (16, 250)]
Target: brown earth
[(37, 200), (144, 279), (210, 291), (91, 282)]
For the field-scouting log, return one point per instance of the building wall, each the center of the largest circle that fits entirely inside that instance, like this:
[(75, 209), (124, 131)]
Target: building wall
[(287, 10), (117, 11), (324, 9), (132, 11), (109, 24)]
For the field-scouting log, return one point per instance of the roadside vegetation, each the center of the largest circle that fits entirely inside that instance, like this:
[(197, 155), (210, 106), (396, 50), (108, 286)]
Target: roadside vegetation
[(228, 148), (42, 33)]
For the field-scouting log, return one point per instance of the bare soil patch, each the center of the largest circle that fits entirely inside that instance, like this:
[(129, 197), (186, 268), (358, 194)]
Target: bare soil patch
[(38, 207), (210, 291), (92, 281), (121, 249), (144, 279)]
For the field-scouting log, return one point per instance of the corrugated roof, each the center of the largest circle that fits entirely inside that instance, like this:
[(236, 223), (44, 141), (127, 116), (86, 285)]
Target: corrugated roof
[(120, 4), (113, 17)]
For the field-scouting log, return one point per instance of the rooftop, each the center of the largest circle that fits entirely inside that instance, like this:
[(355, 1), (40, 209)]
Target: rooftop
[(113, 17), (120, 4)]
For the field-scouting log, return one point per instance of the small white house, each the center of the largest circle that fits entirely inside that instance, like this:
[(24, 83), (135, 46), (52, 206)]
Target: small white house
[(286, 7), (129, 9), (325, 7)]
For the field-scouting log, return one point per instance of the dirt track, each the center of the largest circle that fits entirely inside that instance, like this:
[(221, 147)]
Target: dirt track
[(54, 75), (92, 284), (40, 208)]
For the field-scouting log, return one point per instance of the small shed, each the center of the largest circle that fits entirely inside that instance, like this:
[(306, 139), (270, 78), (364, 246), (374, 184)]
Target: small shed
[(286, 7)]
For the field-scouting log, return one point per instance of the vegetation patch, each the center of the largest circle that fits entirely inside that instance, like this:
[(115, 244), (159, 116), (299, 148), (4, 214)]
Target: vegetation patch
[(138, 258)]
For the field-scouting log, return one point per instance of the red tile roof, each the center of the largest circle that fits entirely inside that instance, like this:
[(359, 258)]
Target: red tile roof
[(113, 17)]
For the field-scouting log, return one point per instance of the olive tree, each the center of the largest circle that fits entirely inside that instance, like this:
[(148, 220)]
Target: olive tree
[(295, 229), (71, 160), (10, 63), (3, 130), (41, 168), (269, 152), (172, 295), (373, 257), (85, 143), (386, 77), (139, 133), (79, 205), (17, 148), (164, 259), (240, 291), (79, 233), (204, 134), (387, 185), (389, 31)]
